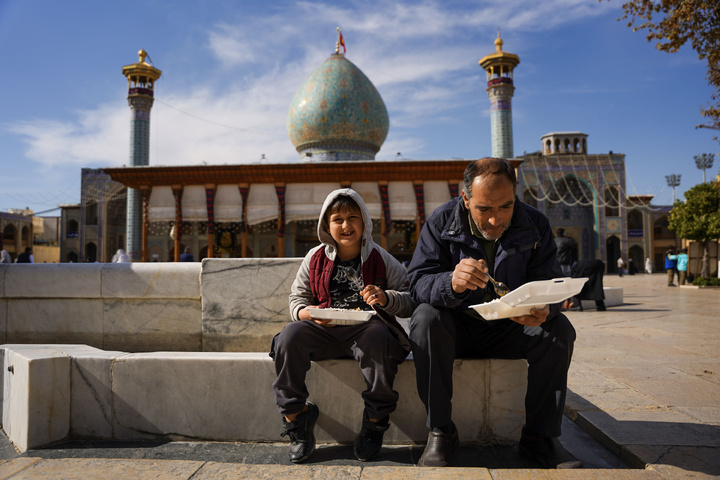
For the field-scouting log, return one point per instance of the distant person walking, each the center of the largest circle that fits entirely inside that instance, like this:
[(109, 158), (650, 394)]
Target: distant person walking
[(670, 265), (681, 260), (593, 288), (620, 265), (120, 257), (187, 256), (5, 257), (566, 251), (25, 257), (648, 266)]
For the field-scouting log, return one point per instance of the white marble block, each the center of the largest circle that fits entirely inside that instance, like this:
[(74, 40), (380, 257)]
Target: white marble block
[(55, 320), (151, 280), (245, 302), (36, 394), (613, 298), (53, 280)]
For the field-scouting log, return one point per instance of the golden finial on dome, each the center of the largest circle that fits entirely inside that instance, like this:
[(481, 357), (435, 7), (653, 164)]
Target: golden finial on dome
[(142, 54), (498, 42)]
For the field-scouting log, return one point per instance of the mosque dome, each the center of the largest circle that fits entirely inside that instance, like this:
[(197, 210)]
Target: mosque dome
[(337, 114)]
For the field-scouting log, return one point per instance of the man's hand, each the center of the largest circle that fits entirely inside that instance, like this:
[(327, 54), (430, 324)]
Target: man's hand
[(537, 317), (469, 274)]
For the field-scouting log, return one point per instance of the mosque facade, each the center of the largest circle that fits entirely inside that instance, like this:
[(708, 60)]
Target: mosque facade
[(337, 122)]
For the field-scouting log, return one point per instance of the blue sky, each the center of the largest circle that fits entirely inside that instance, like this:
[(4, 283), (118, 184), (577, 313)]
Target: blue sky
[(231, 68)]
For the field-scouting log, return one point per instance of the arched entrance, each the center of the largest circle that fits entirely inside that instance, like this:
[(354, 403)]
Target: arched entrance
[(612, 247), (9, 233), (90, 252), (637, 255)]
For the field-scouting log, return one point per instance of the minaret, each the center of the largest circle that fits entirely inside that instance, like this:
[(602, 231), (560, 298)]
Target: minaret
[(141, 81), (499, 68)]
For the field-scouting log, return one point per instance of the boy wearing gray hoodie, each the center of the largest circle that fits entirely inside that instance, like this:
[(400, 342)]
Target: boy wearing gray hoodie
[(348, 270)]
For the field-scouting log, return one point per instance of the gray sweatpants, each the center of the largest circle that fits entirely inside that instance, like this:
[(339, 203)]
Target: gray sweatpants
[(371, 343)]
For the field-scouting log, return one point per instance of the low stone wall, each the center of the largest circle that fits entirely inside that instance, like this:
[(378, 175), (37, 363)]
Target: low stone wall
[(56, 392), (219, 305), (131, 307)]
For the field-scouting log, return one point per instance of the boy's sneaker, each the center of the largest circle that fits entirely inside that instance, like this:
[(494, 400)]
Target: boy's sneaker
[(300, 431), (370, 439)]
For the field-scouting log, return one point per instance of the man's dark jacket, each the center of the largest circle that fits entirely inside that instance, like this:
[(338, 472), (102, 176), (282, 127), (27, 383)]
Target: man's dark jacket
[(526, 253)]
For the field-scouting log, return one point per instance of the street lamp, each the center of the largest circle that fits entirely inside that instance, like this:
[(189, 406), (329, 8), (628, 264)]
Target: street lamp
[(673, 181), (704, 161)]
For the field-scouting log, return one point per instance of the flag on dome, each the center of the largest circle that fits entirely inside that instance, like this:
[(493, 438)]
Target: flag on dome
[(341, 40)]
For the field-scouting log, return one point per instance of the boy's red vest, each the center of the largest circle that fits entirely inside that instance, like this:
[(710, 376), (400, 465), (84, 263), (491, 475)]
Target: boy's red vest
[(373, 273)]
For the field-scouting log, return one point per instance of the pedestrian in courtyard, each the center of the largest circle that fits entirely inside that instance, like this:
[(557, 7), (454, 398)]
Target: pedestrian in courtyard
[(681, 260), (648, 266), (187, 255), (566, 251), (25, 257), (348, 270), (670, 265), (120, 257), (620, 265), (5, 256), (488, 230), (593, 289)]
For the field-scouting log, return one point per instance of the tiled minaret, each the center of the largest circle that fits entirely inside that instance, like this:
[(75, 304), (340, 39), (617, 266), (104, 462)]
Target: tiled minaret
[(141, 82), (499, 68)]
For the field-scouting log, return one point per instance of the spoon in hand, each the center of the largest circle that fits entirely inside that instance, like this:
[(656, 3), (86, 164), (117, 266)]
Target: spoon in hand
[(500, 288)]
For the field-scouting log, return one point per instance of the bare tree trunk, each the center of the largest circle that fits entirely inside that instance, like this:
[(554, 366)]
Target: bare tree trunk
[(705, 260)]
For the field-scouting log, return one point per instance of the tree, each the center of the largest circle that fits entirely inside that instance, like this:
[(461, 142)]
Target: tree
[(673, 23), (698, 218)]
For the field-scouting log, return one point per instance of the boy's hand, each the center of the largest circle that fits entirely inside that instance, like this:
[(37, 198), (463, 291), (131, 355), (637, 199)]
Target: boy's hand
[(304, 314), (374, 295)]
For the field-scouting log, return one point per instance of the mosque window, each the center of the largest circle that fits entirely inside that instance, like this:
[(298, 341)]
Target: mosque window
[(612, 202)]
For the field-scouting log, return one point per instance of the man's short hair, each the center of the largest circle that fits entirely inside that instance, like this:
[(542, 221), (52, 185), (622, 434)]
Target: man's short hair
[(187, 249), (488, 166), (560, 232)]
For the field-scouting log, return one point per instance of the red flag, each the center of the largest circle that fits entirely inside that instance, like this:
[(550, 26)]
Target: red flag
[(341, 40)]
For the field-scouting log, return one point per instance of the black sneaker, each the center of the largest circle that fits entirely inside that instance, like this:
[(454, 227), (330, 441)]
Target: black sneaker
[(300, 431), (370, 439)]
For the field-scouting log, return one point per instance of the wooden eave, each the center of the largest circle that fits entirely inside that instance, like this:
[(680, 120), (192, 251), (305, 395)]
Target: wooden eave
[(143, 177)]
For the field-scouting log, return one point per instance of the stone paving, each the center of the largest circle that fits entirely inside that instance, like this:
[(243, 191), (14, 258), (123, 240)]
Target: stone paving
[(645, 378), (644, 396)]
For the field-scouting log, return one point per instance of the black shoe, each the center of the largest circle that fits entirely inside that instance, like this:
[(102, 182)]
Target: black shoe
[(370, 439), (439, 448), (300, 431), (546, 451)]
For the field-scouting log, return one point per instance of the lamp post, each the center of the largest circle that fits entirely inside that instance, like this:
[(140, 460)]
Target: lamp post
[(673, 181), (704, 161)]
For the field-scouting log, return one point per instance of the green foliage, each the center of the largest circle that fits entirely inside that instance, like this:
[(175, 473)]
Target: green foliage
[(698, 218), (707, 282), (673, 23)]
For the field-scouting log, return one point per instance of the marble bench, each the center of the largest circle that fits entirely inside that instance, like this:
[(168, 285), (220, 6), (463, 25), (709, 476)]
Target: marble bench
[(57, 392)]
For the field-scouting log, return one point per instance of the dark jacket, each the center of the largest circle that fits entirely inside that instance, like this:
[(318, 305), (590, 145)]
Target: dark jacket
[(566, 250), (594, 271), (526, 253)]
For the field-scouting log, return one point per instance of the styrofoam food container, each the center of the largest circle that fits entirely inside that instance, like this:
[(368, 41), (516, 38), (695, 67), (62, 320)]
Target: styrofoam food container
[(341, 316), (531, 295)]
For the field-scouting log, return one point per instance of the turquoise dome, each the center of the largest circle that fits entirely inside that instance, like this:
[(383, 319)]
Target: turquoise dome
[(337, 114)]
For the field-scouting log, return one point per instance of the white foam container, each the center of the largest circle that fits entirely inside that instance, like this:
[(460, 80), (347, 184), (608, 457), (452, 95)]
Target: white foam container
[(531, 295), (340, 316)]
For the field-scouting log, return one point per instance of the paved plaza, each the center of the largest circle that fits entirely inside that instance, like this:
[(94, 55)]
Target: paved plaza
[(643, 403)]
